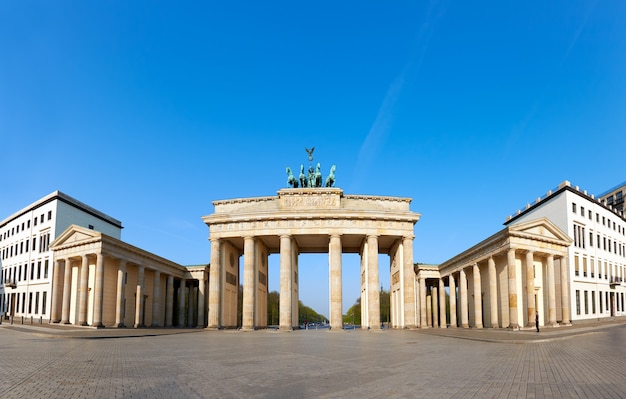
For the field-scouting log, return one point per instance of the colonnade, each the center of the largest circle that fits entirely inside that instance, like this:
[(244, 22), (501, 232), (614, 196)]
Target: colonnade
[(255, 253), (502, 290), (98, 290)]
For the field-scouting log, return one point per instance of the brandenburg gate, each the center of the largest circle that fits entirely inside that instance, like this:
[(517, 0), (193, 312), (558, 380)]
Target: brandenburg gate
[(309, 219)]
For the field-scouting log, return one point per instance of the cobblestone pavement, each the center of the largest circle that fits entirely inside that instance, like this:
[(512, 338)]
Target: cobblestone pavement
[(44, 362)]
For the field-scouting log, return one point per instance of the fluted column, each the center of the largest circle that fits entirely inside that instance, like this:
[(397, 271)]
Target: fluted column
[(335, 249), (56, 292), (478, 303), (373, 294), (201, 300), (452, 286), (286, 276), (248, 307), (408, 284), (215, 285), (169, 301), (464, 303), (98, 294), (493, 293), (530, 289), (442, 304), (67, 291), (551, 292), (565, 317), (512, 283), (423, 315), (191, 304), (156, 300), (434, 299), (139, 298), (181, 302), (84, 290), (119, 301)]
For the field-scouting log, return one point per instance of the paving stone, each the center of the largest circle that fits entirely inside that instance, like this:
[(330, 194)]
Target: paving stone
[(584, 362)]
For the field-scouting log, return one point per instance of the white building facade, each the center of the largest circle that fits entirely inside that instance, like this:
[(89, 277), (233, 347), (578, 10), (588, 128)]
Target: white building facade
[(597, 256), (26, 261)]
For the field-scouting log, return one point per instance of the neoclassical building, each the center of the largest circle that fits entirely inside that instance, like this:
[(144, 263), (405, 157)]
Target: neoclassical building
[(563, 256), (309, 220), (99, 280), (501, 281)]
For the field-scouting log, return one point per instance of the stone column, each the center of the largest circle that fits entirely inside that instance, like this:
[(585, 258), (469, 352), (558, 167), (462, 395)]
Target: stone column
[(335, 249), (493, 292), (285, 283), (67, 292), (215, 285), (565, 290), (248, 306), (181, 302), (452, 286), (191, 304), (84, 290), (530, 289), (98, 294), (121, 287), (478, 303), (373, 294), (423, 315), (201, 300), (464, 303), (435, 306), (442, 304), (156, 300), (408, 285), (56, 292), (169, 301), (139, 297), (551, 292), (510, 260)]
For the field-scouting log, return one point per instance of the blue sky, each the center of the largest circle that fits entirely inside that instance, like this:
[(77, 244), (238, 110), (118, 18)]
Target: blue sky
[(149, 111)]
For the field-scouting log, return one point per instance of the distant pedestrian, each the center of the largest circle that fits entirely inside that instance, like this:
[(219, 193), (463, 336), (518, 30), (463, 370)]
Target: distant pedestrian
[(537, 320)]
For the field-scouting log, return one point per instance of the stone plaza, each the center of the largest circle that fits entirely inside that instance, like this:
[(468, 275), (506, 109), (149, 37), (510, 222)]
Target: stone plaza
[(73, 362)]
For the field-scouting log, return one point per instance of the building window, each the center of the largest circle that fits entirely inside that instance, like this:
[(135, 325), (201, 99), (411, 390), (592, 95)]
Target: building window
[(576, 267), (37, 302), (45, 269), (592, 267), (600, 302), (38, 270), (90, 227), (43, 302), (49, 215), (606, 303), (574, 207), (591, 239), (582, 211), (32, 271), (584, 267), (578, 302), (593, 302), (41, 218), (586, 303), (590, 214)]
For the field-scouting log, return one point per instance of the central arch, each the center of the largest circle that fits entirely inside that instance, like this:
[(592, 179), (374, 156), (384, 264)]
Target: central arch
[(309, 220)]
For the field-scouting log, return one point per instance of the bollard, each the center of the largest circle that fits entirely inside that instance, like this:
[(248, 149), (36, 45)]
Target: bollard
[(11, 318), (31, 320), (22, 320), (40, 319)]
